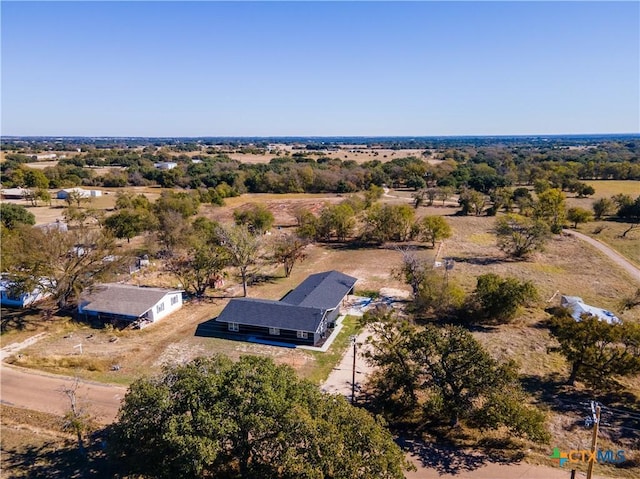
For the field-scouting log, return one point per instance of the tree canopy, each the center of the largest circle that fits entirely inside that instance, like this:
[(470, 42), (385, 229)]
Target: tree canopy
[(498, 299), (216, 418), (256, 217), (63, 263), (446, 374), (519, 236), (12, 215), (596, 350)]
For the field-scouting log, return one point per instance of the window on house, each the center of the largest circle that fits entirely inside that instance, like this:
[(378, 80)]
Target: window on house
[(174, 299), (274, 331), (234, 327), (302, 334), (160, 308)]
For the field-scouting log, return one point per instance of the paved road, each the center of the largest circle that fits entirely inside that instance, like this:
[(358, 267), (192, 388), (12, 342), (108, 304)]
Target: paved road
[(500, 471), (44, 392), (616, 257)]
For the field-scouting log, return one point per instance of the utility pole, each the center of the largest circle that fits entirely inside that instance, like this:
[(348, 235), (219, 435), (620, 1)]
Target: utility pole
[(353, 371), (595, 410)]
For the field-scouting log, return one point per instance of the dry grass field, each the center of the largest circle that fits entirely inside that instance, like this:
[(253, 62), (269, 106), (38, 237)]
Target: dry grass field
[(36, 446), (357, 153), (567, 265), (609, 232)]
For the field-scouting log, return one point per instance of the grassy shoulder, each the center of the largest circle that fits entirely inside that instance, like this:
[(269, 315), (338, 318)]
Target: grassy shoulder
[(324, 363), (610, 233)]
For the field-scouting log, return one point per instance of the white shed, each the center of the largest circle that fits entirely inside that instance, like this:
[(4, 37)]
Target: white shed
[(578, 307), (64, 194)]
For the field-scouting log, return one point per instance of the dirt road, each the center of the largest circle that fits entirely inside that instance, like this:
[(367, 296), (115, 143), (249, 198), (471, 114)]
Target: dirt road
[(616, 257), (44, 392)]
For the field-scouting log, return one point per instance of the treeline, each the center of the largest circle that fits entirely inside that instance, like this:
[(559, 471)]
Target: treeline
[(479, 168)]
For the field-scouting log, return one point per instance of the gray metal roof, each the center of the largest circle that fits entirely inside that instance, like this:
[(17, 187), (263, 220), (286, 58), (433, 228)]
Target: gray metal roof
[(321, 290), (122, 299), (271, 314)]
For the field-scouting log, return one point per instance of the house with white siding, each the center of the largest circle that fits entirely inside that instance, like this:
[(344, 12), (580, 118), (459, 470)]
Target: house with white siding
[(122, 302)]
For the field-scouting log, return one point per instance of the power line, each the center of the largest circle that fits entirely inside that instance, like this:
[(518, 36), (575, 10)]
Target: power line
[(613, 426), (621, 411)]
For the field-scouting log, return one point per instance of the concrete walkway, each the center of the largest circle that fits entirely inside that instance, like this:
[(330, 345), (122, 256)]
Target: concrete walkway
[(13, 348), (340, 379)]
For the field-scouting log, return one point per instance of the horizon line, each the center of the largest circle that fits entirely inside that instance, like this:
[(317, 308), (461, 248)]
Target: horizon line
[(519, 135)]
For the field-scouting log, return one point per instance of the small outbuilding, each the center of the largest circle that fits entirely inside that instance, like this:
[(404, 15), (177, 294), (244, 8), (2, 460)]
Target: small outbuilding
[(14, 193), (165, 165), (304, 316), (578, 307), (64, 194), (122, 302)]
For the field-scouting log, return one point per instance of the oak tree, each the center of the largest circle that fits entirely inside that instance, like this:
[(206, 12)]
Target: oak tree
[(519, 236), (252, 418)]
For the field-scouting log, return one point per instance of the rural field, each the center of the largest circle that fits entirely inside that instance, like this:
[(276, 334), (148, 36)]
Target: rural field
[(566, 266)]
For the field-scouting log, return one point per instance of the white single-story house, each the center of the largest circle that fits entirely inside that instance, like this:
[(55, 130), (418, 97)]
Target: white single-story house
[(578, 307), (64, 194), (8, 296), (123, 302), (165, 165)]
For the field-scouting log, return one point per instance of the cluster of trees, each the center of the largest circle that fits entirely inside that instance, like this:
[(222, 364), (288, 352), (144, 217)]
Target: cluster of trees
[(483, 168), (12, 215), (519, 235), (444, 375), (58, 261), (370, 222), (198, 251), (251, 418), (597, 351), (623, 206), (495, 299)]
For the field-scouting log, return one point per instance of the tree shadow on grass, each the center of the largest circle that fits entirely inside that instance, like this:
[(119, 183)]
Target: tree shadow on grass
[(258, 278), (50, 461), (447, 458), (480, 261), (554, 391), (17, 319)]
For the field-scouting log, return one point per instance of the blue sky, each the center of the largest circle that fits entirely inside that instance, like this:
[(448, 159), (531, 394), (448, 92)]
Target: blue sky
[(326, 68)]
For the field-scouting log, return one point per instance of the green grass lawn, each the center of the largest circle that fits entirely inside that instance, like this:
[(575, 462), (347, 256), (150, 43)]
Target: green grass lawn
[(325, 362)]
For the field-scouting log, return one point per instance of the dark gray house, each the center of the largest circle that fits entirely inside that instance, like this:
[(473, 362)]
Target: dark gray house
[(303, 316)]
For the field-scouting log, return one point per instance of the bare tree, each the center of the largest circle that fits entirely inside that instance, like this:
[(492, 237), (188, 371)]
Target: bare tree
[(243, 249), (76, 419), (413, 270)]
